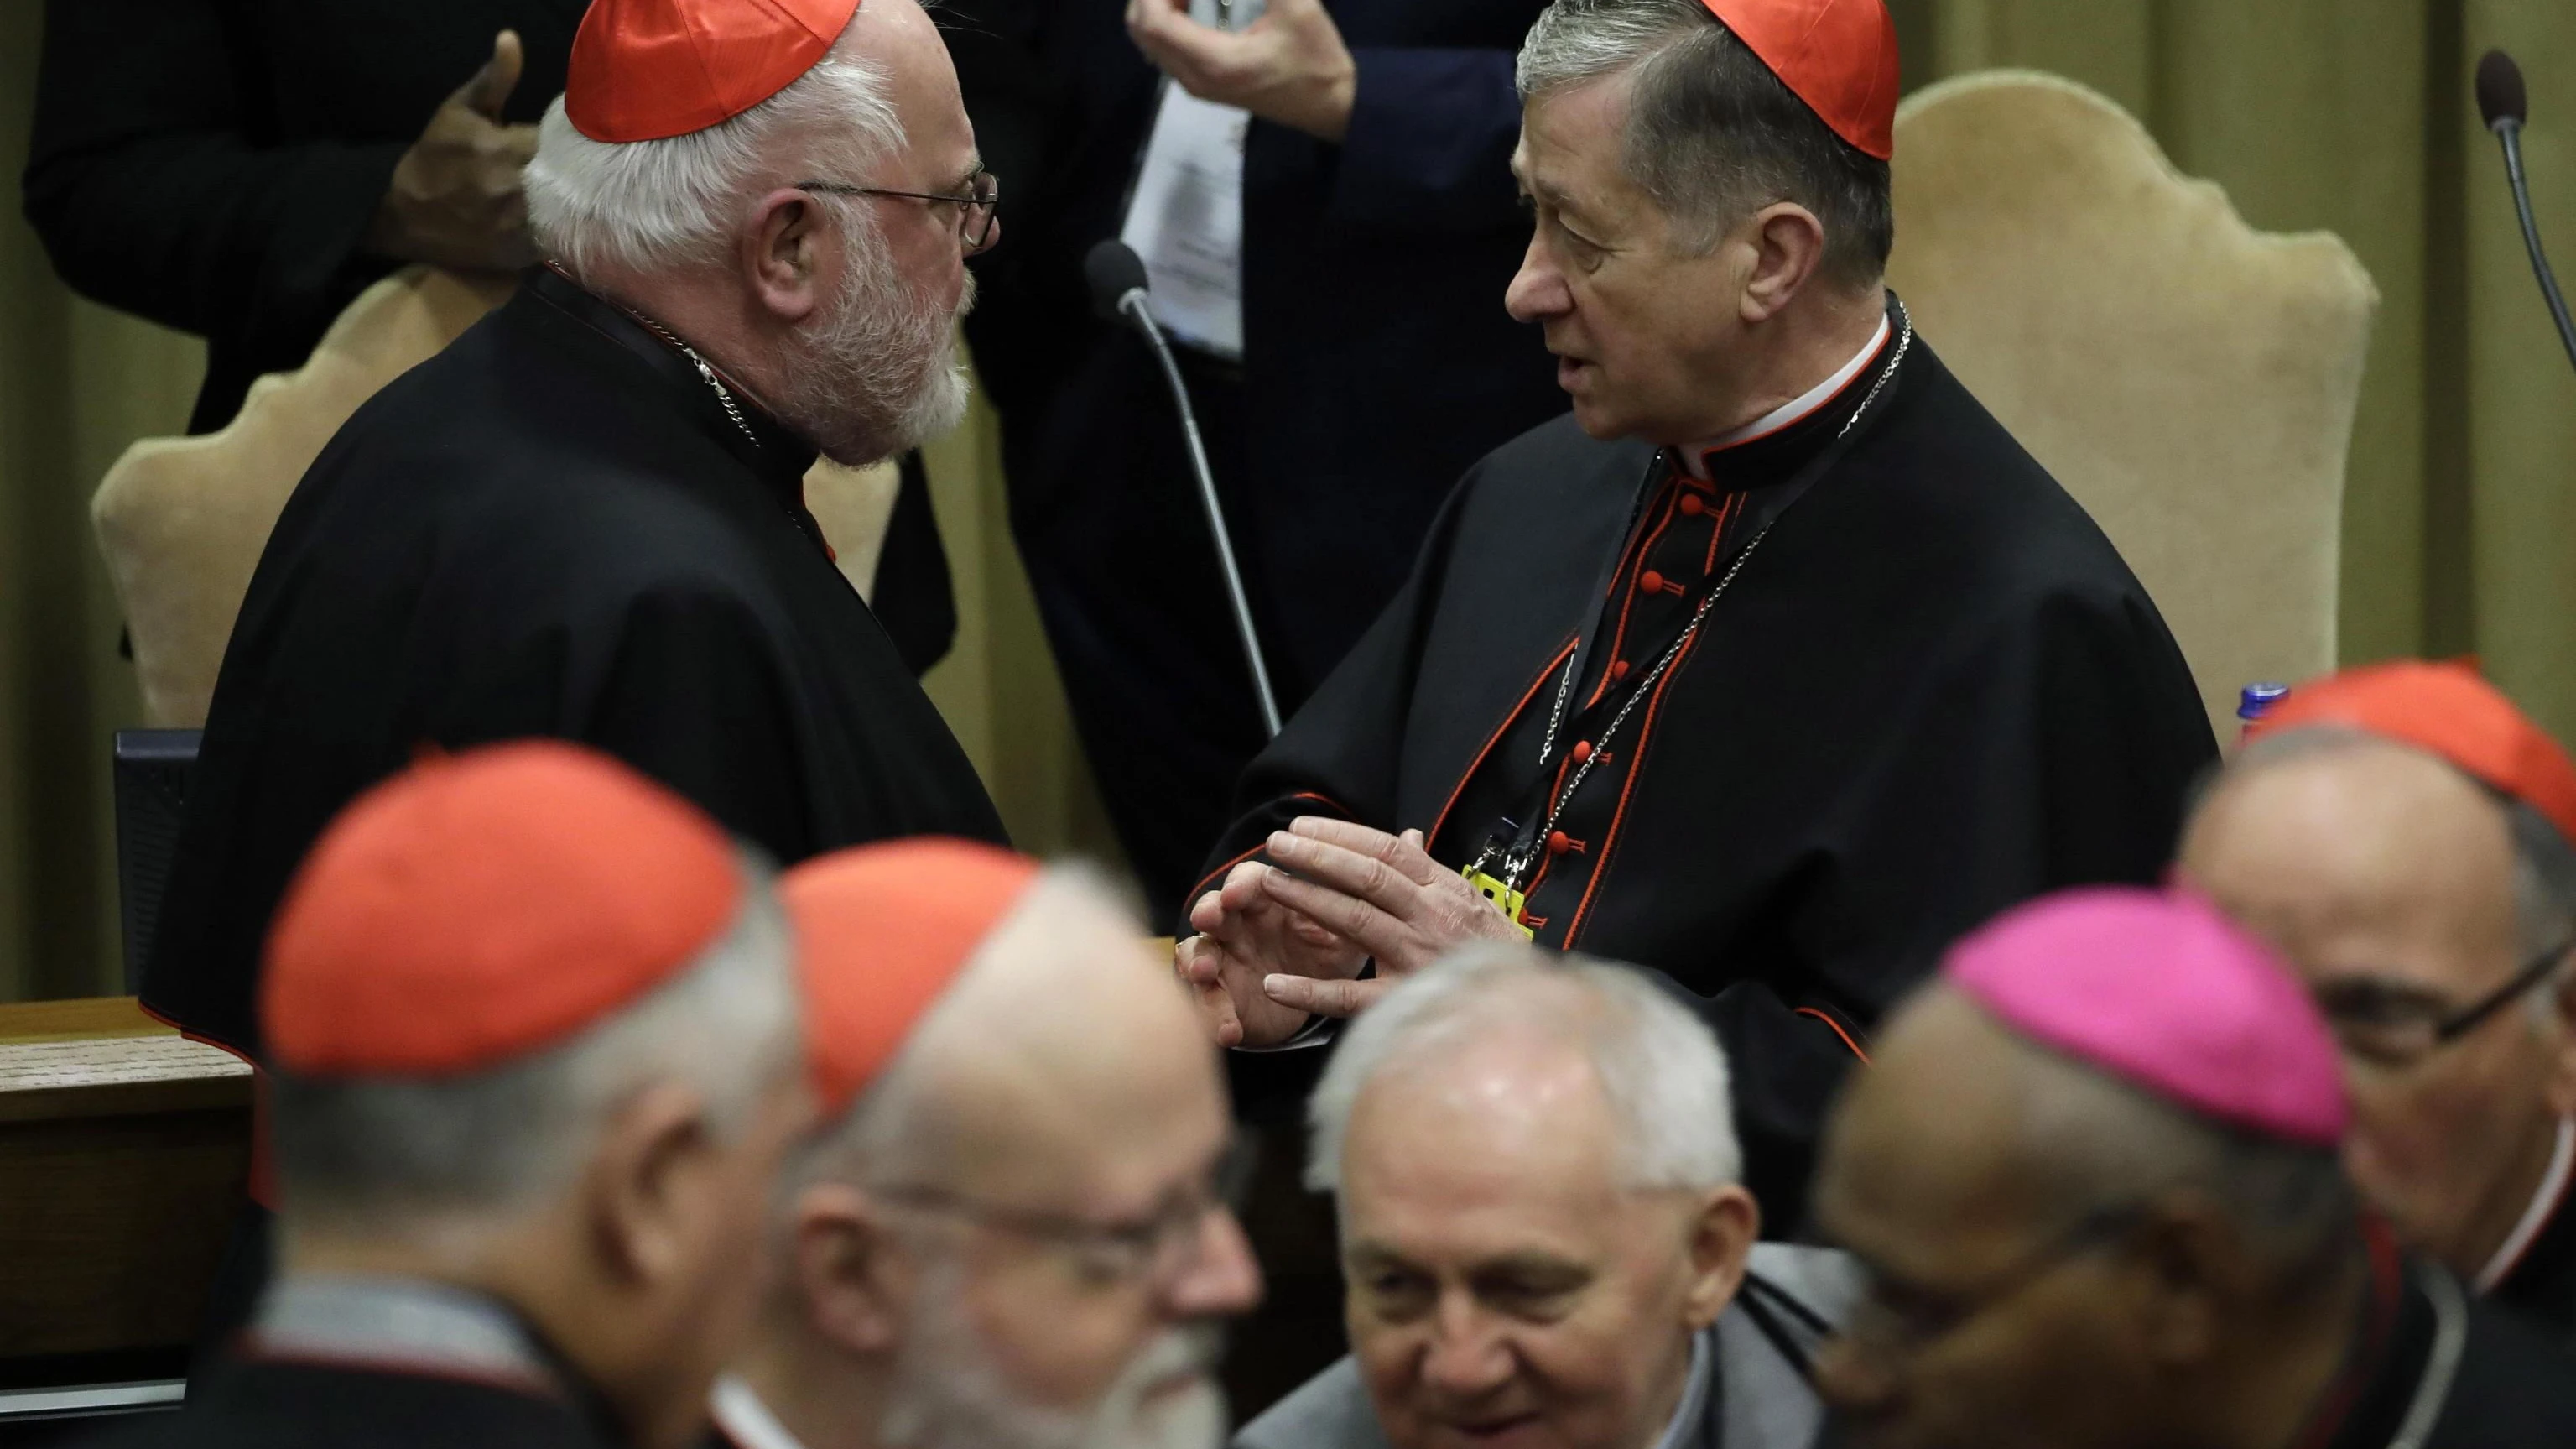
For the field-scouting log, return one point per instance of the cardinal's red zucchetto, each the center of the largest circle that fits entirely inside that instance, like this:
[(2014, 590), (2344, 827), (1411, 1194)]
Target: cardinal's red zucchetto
[(1839, 56), (483, 906), (643, 70), (881, 932)]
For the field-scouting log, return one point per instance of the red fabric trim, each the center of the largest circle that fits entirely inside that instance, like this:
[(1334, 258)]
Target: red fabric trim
[(1216, 876), (1441, 821), (2387, 1292), (1627, 787), (1623, 586), (1828, 1020), (1725, 515)]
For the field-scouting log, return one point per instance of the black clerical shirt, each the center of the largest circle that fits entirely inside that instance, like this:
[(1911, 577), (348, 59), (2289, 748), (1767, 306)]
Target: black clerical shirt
[(1930, 691), (554, 527)]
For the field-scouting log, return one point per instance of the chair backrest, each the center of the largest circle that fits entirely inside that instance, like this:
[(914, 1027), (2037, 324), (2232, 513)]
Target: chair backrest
[(2191, 381), (182, 521)]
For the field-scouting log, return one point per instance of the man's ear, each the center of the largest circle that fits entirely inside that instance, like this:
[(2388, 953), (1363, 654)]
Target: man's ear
[(650, 1183), (782, 253), (1788, 245), (1722, 1231), (851, 1269)]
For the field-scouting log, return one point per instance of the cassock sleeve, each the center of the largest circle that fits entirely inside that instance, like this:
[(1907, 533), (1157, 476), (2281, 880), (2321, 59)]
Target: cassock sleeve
[(1430, 141), (2054, 750), (151, 195)]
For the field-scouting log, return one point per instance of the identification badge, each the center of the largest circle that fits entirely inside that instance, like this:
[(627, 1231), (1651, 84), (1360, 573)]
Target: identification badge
[(1505, 899)]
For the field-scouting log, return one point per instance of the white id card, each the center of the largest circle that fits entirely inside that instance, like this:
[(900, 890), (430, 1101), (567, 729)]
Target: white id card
[(1185, 218)]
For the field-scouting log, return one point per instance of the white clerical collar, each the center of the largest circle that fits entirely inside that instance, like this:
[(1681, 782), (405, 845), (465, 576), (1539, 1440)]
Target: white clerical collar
[(744, 1419), (1695, 455), (397, 1322), (2544, 1206)]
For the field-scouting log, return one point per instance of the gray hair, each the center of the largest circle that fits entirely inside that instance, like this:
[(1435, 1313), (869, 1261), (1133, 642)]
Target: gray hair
[(673, 202), (1662, 1073), (1713, 136), (412, 1157)]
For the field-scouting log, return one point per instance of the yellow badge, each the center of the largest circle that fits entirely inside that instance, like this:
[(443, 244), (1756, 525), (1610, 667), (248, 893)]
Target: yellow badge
[(1505, 899)]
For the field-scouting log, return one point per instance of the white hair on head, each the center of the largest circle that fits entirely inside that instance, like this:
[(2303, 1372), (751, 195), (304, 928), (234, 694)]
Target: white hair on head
[(1661, 1071), (420, 1158), (674, 202)]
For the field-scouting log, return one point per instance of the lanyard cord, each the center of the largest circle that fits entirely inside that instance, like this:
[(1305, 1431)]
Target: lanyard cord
[(1524, 852)]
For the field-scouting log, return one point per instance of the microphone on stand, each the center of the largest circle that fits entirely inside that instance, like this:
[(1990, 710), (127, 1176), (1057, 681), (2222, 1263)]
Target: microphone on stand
[(2505, 104), (1117, 277)]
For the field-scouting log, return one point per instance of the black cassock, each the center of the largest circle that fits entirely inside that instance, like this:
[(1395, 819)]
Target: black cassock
[(2542, 1286), (552, 528), (271, 1403), (1931, 690), (2512, 1389)]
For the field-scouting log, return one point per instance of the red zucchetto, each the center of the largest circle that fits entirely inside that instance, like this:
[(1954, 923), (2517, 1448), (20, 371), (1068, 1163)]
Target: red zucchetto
[(1839, 56), (2445, 710), (881, 931), (486, 905), (642, 70)]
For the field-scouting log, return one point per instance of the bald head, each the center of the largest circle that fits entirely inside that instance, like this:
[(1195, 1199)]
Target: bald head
[(2407, 894), (1063, 1040), (2350, 852)]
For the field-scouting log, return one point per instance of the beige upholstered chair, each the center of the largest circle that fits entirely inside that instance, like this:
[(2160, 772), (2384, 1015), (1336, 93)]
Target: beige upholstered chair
[(182, 520), (2191, 381)]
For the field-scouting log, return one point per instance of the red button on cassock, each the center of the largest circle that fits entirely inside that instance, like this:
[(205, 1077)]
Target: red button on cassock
[(1650, 582), (1581, 752), (1557, 844), (1619, 669), (1693, 505)]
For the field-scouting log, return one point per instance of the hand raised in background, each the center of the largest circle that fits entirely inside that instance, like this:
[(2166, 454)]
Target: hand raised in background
[(455, 200), (1289, 66)]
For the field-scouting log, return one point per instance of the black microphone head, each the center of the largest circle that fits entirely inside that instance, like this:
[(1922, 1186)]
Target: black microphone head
[(1113, 269), (2501, 96)]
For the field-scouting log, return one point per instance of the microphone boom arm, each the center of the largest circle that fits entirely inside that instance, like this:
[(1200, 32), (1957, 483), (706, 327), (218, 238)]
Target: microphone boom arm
[(1133, 306), (2509, 131)]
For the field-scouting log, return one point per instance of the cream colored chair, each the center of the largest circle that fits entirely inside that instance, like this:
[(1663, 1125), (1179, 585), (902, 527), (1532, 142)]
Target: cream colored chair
[(2190, 380), (182, 520)]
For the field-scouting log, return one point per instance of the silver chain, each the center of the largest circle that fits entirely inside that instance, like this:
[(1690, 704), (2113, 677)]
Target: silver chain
[(723, 395), (1516, 864)]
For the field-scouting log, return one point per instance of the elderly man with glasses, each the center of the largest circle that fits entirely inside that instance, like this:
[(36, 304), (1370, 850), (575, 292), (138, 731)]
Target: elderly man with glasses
[(585, 518), (2402, 833), (2091, 1179), (1012, 1230)]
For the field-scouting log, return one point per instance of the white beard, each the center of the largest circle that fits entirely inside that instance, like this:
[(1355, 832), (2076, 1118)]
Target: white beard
[(949, 1394), (881, 374)]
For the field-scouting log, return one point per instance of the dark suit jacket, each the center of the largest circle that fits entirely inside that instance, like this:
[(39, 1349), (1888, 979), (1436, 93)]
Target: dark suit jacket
[(214, 164), (1379, 362)]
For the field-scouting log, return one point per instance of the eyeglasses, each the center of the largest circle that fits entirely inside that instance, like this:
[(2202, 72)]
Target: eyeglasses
[(1105, 1254), (2396, 1025), (1896, 1319), (976, 209)]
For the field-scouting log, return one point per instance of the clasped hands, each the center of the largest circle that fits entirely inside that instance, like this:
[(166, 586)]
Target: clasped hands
[(1283, 941)]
